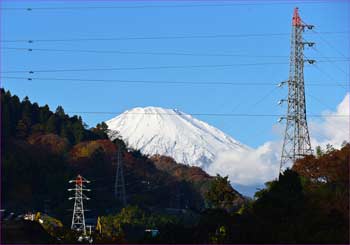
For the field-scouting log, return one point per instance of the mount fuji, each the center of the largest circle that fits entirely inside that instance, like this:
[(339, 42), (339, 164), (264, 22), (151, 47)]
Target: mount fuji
[(170, 132)]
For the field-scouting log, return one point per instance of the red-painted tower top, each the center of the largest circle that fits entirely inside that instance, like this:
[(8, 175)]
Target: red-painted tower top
[(79, 180), (296, 17)]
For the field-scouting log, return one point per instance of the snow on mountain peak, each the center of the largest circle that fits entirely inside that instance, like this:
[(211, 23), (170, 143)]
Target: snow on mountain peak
[(170, 132)]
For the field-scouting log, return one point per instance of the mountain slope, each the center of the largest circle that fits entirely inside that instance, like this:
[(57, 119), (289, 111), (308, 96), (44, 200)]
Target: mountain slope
[(155, 130), (44, 161)]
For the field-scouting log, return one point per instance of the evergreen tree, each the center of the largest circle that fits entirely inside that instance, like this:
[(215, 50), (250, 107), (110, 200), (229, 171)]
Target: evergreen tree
[(26, 110), (319, 151), (63, 131), (21, 129), (44, 114), (104, 127), (51, 125), (5, 115), (35, 113), (78, 131), (101, 130), (60, 112)]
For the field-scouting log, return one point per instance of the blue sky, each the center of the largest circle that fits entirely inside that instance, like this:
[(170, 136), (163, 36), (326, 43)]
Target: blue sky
[(235, 18)]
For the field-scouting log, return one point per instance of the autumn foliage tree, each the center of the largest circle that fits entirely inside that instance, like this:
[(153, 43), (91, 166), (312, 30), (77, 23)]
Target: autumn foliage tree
[(327, 179), (332, 167), (221, 193)]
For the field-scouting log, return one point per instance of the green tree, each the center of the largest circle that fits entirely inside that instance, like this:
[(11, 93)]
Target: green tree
[(60, 112), (101, 130), (282, 198), (44, 114), (221, 193), (27, 111), (78, 131), (131, 215), (319, 151), (275, 216), (5, 125), (220, 235), (63, 131), (51, 126), (21, 129), (213, 226), (35, 113)]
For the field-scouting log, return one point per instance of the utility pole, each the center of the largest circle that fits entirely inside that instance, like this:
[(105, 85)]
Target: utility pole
[(119, 185), (296, 137), (78, 219)]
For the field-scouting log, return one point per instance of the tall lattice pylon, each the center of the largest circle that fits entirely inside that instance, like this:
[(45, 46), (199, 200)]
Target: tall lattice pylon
[(296, 137), (78, 219), (119, 185)]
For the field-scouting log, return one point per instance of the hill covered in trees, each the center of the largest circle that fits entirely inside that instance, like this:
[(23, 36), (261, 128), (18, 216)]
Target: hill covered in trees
[(308, 204), (42, 150)]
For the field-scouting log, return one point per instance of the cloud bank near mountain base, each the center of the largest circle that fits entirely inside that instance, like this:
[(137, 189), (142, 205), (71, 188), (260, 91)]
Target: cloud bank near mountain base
[(259, 165)]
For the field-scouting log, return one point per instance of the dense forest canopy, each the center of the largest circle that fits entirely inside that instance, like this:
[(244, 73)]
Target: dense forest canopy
[(42, 150), (45, 149), (23, 118)]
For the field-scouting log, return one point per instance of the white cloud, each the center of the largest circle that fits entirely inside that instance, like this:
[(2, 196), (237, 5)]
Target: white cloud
[(262, 164), (333, 128), (251, 167)]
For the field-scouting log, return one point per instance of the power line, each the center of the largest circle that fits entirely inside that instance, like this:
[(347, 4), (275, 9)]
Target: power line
[(324, 40), (198, 114), (156, 53), (140, 68), (237, 83), (158, 6), (260, 100), (142, 52), (328, 43), (265, 96), (335, 64), (318, 100), (241, 35), (330, 77), (156, 67)]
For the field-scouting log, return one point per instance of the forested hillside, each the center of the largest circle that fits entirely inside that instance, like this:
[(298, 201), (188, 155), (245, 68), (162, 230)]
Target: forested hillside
[(42, 150)]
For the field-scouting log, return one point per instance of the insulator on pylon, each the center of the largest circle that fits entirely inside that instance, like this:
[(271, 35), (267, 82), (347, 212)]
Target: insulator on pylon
[(282, 83), (310, 27), (309, 44)]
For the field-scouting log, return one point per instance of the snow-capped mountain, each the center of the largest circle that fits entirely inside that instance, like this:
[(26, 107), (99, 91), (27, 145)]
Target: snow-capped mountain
[(169, 132)]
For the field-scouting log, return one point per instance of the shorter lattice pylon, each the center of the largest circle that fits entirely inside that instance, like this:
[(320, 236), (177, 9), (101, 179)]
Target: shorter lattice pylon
[(78, 218)]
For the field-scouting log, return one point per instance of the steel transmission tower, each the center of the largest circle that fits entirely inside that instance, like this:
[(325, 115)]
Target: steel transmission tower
[(78, 219), (296, 137), (119, 185)]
